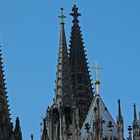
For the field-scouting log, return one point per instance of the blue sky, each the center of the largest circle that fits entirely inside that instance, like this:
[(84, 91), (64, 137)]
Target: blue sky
[(29, 34)]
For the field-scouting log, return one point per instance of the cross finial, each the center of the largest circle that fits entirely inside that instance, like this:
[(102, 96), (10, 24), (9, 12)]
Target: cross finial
[(75, 14), (96, 70), (62, 17), (97, 82)]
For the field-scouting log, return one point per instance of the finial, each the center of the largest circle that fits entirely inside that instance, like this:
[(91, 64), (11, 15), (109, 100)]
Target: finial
[(110, 125), (97, 82), (87, 127), (62, 17), (32, 136), (75, 14), (119, 108), (17, 122), (135, 114)]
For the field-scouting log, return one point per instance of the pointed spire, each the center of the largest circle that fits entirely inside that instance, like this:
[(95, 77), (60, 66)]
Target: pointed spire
[(5, 120), (17, 126), (4, 98), (17, 131), (120, 123), (135, 124), (119, 109), (135, 113), (80, 77), (63, 76)]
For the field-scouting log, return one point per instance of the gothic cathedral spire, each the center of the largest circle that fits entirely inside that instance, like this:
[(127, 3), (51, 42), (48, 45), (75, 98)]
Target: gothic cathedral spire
[(80, 78), (59, 114), (6, 126), (63, 76), (5, 120)]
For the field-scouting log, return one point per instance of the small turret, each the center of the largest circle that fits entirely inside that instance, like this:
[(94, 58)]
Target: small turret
[(17, 130), (135, 113), (120, 124), (135, 125)]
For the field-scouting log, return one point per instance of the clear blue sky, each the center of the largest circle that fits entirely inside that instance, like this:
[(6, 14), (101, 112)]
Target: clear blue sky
[(29, 34)]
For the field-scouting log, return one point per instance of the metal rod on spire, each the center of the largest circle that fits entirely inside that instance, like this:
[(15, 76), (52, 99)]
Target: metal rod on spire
[(62, 17), (97, 82), (96, 68)]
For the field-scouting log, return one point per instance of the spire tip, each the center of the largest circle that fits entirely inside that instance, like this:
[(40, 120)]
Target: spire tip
[(75, 14), (62, 17)]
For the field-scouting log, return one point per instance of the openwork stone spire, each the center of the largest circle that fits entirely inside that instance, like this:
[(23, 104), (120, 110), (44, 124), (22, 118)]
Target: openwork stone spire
[(63, 77), (5, 120), (81, 83), (6, 126)]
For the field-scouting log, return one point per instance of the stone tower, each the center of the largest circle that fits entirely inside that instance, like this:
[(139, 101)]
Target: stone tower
[(73, 92), (59, 115), (77, 113)]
